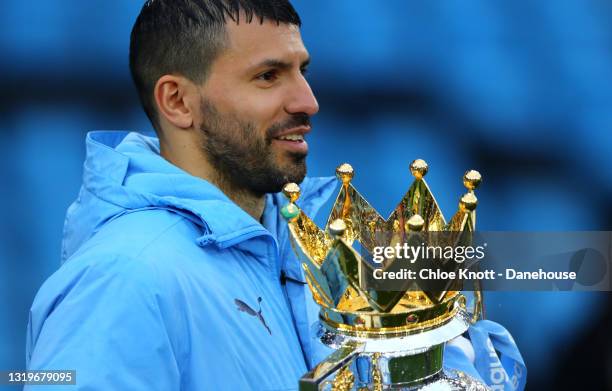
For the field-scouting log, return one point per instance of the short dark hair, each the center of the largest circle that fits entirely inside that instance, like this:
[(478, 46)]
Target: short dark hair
[(185, 36)]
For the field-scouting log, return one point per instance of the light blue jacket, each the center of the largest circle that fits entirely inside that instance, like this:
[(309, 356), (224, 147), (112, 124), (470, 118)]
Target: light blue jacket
[(167, 284)]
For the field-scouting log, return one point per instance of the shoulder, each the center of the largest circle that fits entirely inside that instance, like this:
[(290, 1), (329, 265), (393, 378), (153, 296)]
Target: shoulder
[(153, 238), (140, 251), (128, 273), (133, 232), (94, 276), (109, 277)]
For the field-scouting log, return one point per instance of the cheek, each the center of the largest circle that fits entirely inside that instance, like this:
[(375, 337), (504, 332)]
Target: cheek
[(263, 108), (254, 108)]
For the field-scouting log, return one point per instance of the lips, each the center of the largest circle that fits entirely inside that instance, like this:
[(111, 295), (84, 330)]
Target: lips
[(292, 137), (293, 140)]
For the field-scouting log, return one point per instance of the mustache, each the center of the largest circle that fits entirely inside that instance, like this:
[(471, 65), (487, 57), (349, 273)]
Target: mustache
[(293, 122)]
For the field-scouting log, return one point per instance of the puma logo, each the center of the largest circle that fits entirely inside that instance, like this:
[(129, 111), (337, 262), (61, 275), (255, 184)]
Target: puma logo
[(244, 307)]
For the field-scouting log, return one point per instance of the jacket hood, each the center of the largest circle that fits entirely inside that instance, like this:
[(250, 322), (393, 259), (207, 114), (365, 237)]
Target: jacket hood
[(123, 172)]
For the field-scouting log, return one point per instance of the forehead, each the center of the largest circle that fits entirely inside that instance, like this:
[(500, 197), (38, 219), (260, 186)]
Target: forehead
[(251, 43)]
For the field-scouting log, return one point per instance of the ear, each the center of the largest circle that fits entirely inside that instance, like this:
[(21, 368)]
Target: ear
[(174, 96)]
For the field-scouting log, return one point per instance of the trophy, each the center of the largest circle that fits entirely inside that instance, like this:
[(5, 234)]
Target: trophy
[(382, 339)]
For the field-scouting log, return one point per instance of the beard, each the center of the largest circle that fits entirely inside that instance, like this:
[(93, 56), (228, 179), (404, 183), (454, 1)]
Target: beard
[(245, 159)]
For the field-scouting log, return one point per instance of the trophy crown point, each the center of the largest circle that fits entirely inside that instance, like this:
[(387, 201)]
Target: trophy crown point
[(345, 172), (337, 228), (468, 202), (291, 191), (290, 211), (419, 168), (415, 223), (471, 179)]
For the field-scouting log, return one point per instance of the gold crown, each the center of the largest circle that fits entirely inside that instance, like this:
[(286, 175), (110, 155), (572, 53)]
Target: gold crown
[(334, 269)]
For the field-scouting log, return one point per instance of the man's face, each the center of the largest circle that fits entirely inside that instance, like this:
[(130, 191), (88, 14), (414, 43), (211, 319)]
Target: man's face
[(256, 107)]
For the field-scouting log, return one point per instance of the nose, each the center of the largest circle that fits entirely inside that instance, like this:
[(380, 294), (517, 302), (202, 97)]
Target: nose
[(302, 99)]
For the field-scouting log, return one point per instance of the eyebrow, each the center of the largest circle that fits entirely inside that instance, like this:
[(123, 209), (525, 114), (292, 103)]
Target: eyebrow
[(283, 65)]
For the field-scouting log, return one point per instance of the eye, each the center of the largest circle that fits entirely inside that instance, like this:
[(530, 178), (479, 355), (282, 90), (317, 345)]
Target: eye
[(304, 70), (268, 76)]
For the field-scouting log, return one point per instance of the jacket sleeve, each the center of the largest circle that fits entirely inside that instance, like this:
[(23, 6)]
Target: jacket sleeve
[(104, 319)]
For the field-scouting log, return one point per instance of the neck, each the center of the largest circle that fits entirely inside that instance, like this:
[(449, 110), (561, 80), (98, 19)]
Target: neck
[(250, 202), (189, 158)]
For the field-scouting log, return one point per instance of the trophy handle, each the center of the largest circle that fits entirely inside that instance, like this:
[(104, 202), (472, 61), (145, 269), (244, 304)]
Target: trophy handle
[(340, 359)]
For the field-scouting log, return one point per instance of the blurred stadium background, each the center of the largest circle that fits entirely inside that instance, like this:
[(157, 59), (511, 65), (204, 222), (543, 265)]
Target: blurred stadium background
[(520, 90)]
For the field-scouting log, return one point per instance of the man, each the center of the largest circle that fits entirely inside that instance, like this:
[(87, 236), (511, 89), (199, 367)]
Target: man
[(178, 273)]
